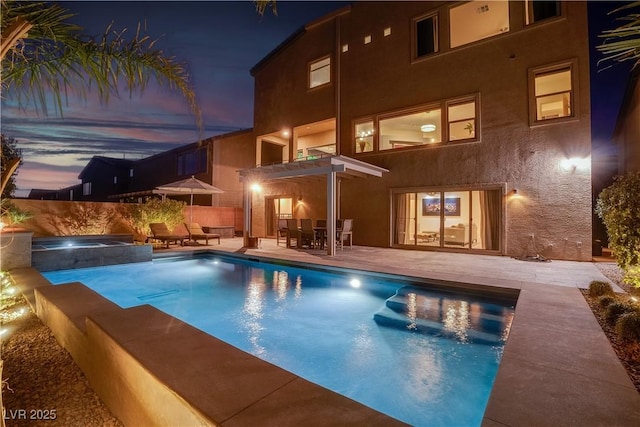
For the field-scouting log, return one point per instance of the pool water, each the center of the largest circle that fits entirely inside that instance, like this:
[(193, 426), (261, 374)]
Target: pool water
[(423, 357)]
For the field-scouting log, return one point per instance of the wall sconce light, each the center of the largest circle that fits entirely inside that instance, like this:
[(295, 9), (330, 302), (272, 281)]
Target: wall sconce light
[(299, 198), (575, 163), (256, 188), (515, 191)]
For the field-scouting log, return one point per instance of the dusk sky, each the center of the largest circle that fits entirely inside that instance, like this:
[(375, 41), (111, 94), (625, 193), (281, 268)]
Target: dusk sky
[(220, 42)]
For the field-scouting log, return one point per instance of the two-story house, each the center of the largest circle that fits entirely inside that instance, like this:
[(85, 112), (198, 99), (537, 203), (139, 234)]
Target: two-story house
[(479, 111)]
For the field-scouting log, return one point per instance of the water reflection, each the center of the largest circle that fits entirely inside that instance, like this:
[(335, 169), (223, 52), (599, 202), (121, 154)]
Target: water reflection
[(457, 319), (253, 311)]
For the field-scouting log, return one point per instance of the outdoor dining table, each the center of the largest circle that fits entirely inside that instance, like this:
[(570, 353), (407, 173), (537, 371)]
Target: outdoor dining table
[(320, 235)]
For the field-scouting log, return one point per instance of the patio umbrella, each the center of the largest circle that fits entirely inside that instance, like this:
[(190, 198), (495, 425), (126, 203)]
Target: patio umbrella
[(187, 186)]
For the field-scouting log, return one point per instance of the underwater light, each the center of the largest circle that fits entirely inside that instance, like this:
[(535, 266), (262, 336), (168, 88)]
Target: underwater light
[(355, 283)]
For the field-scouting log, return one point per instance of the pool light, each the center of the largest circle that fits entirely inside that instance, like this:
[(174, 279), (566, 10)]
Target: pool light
[(355, 283)]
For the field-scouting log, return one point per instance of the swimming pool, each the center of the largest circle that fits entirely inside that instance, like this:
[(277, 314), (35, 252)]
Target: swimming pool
[(424, 357)]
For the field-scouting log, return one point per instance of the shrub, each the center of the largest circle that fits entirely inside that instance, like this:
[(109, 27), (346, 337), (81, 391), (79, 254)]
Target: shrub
[(617, 309), (606, 300), (628, 326), (619, 208), (597, 288), (632, 276), (139, 216)]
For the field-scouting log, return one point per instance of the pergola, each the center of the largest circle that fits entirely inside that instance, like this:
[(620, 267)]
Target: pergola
[(333, 167)]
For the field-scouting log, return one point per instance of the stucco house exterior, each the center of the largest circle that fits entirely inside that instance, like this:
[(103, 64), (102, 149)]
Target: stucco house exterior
[(479, 111)]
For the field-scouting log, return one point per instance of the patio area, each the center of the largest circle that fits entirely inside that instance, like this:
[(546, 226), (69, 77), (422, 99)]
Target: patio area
[(558, 367)]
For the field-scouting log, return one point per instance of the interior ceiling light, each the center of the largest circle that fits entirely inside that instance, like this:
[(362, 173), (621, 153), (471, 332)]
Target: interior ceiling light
[(428, 128)]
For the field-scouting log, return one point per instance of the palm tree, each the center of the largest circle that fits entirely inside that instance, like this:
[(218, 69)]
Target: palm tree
[(43, 53), (623, 43)]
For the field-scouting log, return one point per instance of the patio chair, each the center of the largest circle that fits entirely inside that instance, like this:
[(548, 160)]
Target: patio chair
[(160, 231), (281, 231), (196, 233), (345, 233), (307, 234), (292, 231)]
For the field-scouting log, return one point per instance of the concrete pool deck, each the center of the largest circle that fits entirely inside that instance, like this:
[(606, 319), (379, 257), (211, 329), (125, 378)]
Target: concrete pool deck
[(558, 367)]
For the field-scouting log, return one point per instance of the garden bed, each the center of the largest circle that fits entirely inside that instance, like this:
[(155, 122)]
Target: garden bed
[(627, 352)]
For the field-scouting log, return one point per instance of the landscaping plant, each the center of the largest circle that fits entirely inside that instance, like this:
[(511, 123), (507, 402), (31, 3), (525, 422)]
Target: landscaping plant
[(628, 326), (619, 208), (139, 216), (598, 287)]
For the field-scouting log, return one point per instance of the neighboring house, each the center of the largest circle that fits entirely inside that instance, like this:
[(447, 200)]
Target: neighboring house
[(214, 161), (102, 177), (479, 111), (627, 131)]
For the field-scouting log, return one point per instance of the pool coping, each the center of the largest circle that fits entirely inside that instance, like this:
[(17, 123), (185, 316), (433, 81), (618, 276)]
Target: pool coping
[(584, 383)]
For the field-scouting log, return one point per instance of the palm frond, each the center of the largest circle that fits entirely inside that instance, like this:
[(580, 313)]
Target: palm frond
[(56, 58), (622, 43)]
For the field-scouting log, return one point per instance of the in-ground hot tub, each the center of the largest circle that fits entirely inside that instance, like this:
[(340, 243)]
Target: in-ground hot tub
[(67, 252)]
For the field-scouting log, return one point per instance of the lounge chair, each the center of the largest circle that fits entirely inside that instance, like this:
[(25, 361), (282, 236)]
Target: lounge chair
[(196, 233), (160, 231)]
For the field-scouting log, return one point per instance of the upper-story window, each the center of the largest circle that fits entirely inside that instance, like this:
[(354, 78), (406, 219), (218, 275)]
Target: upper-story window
[(449, 121), (477, 20), (462, 120), (320, 72), (539, 10), (364, 136), (192, 162), (552, 94), (425, 35), (420, 127)]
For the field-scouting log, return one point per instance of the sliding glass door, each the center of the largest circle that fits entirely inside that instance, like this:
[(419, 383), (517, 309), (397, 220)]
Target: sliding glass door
[(463, 219)]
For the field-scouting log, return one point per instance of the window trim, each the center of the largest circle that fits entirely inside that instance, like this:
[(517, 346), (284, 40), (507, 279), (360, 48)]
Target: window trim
[(572, 65), (414, 35), (309, 71)]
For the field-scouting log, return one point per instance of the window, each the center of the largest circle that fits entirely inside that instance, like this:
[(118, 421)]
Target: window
[(419, 128), (192, 162), (364, 136), (446, 121), (86, 189), (115, 179), (552, 96), (320, 72), (478, 20), (539, 10), (426, 36), (462, 121), (131, 173)]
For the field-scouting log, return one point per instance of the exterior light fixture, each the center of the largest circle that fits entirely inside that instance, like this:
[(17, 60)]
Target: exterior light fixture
[(575, 163), (285, 133), (256, 188), (428, 128)]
